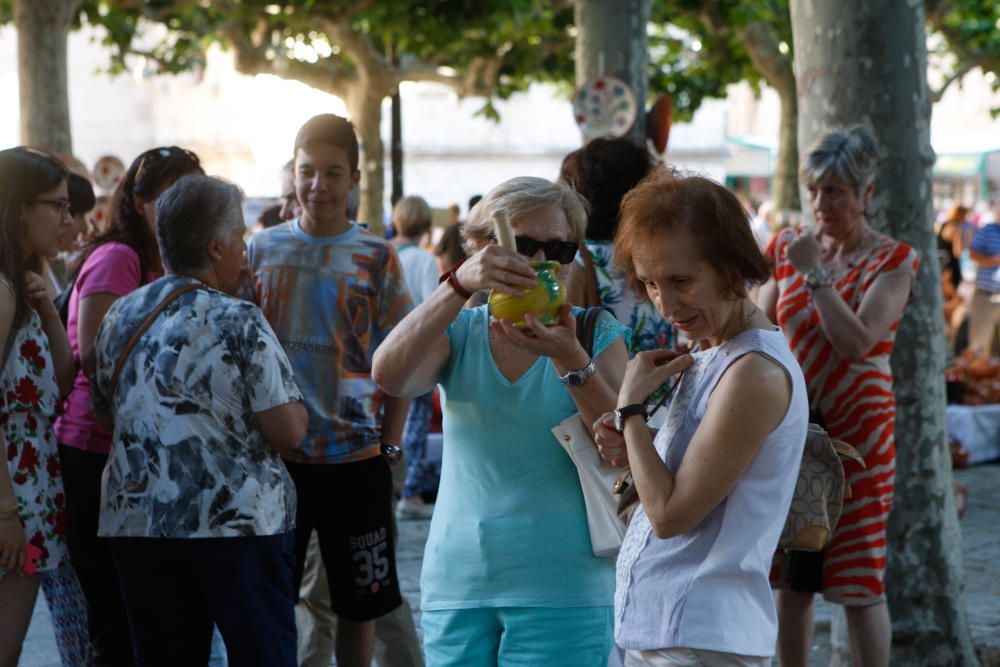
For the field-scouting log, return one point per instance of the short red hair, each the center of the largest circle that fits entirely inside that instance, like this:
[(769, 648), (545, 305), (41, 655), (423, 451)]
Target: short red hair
[(666, 201)]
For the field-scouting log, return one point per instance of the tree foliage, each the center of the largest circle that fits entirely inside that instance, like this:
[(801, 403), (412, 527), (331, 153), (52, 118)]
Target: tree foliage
[(696, 50), (971, 32)]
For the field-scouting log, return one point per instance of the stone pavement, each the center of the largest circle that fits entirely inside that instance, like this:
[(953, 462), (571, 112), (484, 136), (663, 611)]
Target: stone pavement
[(980, 546)]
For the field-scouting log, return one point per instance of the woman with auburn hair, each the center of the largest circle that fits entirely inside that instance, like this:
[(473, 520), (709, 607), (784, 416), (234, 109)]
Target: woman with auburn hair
[(112, 265), (715, 483)]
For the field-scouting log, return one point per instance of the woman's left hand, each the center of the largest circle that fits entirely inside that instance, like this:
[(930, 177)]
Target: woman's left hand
[(647, 371), (37, 291), (557, 341)]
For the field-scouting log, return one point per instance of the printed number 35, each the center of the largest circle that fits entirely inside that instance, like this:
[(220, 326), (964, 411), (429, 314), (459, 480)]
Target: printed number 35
[(372, 564)]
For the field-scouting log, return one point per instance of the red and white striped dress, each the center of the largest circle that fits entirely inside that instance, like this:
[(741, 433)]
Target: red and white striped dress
[(857, 404)]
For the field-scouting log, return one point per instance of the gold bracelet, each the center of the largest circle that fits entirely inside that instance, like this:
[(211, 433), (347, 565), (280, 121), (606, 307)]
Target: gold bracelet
[(10, 509)]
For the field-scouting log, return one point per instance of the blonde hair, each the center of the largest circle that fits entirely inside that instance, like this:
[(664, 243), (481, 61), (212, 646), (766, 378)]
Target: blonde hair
[(520, 196), (411, 216)]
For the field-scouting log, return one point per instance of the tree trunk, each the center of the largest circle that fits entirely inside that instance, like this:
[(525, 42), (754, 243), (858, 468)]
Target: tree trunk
[(865, 62), (785, 188), (611, 40), (763, 45), (42, 32), (364, 107)]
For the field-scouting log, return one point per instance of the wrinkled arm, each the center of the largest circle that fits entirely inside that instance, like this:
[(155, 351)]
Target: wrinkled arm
[(411, 357), (394, 413), (749, 402), (599, 393), (284, 426), (852, 334)]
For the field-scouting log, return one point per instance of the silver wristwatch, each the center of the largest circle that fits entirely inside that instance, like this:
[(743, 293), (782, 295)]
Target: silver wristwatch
[(578, 378)]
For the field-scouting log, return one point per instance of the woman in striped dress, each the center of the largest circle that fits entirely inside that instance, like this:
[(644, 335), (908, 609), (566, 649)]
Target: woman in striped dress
[(838, 294)]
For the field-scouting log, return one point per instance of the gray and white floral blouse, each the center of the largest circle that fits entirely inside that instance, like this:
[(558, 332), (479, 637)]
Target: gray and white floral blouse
[(188, 458)]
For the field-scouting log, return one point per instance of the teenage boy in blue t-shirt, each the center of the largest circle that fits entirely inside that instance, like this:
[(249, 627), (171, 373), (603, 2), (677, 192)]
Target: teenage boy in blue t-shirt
[(332, 292)]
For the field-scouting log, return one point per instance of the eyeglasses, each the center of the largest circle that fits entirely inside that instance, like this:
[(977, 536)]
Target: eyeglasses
[(151, 157), (62, 205), (563, 252)]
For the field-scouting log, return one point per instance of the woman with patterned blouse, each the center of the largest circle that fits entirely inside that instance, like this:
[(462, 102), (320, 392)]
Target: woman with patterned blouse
[(120, 259), (36, 370), (838, 294), (197, 502)]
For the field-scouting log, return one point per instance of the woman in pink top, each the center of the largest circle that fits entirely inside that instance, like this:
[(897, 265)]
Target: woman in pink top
[(112, 265)]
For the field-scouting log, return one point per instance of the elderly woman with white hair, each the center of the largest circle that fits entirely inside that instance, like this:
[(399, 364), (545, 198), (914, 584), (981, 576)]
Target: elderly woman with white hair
[(197, 503), (838, 294), (509, 576)]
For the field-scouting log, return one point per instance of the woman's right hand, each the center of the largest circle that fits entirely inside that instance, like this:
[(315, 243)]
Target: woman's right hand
[(647, 371), (610, 443), (496, 268), (12, 543)]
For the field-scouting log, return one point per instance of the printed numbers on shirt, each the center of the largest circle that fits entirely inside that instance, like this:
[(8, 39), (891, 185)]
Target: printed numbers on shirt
[(369, 555)]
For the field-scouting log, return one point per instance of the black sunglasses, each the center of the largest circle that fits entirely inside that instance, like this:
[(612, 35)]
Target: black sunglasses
[(563, 252)]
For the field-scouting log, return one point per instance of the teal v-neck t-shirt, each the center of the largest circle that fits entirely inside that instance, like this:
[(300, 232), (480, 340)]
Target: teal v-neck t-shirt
[(509, 527)]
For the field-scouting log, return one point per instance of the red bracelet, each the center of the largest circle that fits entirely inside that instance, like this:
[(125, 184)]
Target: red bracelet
[(451, 278)]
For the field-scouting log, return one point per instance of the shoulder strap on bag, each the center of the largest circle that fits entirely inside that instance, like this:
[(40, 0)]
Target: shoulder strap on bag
[(146, 323), (591, 297), (586, 326)]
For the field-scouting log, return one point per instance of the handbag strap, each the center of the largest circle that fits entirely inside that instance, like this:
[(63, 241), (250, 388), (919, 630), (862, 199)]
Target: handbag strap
[(146, 323), (586, 326), (590, 294)]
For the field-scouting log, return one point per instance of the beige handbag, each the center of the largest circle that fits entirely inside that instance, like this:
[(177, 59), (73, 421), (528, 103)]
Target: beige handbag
[(820, 491)]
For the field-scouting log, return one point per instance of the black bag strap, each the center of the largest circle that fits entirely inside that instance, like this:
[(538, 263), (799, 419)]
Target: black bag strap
[(586, 326)]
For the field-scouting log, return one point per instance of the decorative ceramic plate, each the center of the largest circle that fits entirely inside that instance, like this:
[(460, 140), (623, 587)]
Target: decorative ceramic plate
[(604, 107), (108, 171)]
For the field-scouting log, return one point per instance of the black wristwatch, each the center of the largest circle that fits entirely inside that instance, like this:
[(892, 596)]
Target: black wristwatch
[(621, 414)]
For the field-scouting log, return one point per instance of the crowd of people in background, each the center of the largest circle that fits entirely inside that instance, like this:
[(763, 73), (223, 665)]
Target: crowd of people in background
[(211, 430)]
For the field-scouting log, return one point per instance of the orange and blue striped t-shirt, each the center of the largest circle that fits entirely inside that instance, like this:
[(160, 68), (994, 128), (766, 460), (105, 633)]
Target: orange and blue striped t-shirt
[(331, 301)]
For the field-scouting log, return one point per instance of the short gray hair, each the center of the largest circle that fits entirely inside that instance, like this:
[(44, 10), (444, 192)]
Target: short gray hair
[(849, 155), (520, 196), (192, 212)]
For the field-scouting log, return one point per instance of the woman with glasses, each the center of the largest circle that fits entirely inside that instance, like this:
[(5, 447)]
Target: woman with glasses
[(36, 371), (509, 574), (112, 265)]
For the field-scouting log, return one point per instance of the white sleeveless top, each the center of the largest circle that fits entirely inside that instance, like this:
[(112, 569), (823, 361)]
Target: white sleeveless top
[(708, 588)]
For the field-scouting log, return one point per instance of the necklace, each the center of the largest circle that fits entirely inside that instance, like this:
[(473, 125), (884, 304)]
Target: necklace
[(841, 261)]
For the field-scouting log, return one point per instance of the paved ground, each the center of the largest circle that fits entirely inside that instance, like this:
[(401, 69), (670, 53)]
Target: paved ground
[(980, 545)]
